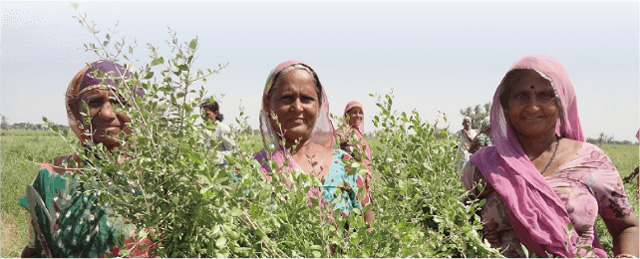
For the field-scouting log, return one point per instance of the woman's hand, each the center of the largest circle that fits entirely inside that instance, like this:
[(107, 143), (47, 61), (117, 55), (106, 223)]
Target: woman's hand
[(625, 235)]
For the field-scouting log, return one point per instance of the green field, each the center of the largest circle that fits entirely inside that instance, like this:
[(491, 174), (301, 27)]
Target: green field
[(22, 152)]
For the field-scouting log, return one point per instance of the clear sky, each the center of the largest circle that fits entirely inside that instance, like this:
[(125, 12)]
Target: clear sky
[(437, 56)]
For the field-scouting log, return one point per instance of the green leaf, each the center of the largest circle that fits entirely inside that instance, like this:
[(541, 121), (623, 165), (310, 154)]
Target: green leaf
[(221, 242), (193, 44), (157, 61), (236, 212)]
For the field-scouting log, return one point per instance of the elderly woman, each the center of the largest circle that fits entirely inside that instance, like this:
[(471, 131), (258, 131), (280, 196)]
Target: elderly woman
[(353, 125), (295, 112), (544, 185), (64, 221)]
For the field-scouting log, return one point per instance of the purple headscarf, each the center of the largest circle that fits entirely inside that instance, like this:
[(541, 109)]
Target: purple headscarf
[(535, 211)]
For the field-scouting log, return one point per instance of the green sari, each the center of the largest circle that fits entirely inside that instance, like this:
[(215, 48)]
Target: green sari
[(66, 220)]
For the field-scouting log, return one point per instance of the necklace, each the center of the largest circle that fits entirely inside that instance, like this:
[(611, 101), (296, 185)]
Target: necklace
[(552, 157)]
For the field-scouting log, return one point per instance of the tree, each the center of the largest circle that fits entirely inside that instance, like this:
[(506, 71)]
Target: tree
[(477, 113)]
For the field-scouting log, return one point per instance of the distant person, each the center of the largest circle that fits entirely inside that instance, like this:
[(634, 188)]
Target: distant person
[(540, 176), (81, 228), (221, 133), (465, 138), (483, 138), (353, 125)]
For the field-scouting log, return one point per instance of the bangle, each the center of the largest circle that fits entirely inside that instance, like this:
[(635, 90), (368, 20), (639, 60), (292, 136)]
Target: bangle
[(624, 256)]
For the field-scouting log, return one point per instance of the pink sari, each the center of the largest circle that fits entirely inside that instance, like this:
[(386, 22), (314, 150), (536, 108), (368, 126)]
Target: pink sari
[(537, 215), (359, 130)]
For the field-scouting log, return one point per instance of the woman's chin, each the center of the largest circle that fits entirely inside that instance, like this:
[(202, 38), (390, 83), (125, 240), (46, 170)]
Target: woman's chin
[(107, 141)]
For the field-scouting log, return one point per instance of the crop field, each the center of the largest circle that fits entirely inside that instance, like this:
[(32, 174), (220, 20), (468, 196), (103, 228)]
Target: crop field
[(22, 151)]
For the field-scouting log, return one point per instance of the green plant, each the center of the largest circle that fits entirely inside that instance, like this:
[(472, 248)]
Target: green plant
[(163, 182)]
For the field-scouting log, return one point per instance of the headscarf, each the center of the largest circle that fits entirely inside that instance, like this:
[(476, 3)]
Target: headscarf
[(359, 131), (88, 79), (321, 134), (535, 211)]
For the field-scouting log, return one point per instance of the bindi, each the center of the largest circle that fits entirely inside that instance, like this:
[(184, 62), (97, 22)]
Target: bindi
[(532, 87)]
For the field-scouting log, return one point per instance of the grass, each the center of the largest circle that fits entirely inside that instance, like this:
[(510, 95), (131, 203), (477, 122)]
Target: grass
[(21, 153), (17, 170)]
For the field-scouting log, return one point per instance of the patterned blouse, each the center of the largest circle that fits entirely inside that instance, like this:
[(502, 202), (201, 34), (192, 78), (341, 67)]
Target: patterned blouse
[(339, 179), (588, 185)]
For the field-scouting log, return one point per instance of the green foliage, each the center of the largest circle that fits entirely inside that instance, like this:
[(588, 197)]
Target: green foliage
[(420, 189), (163, 179)]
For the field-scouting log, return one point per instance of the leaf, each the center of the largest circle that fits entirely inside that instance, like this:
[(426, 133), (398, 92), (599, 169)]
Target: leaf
[(221, 242), (236, 212), (193, 44), (157, 61)]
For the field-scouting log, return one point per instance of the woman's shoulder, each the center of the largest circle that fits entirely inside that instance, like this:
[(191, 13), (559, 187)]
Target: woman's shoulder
[(61, 164)]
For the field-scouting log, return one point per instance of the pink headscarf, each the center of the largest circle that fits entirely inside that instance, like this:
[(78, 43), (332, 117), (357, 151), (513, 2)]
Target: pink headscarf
[(535, 211), (322, 132), (359, 131)]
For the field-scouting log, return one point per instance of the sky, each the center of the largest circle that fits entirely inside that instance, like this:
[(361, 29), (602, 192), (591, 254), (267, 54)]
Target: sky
[(438, 57)]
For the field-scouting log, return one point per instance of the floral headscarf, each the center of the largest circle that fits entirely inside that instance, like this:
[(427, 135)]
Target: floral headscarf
[(359, 130), (535, 211), (88, 79), (322, 132)]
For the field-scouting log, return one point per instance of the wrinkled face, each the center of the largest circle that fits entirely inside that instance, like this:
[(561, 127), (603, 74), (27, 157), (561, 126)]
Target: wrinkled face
[(106, 123), (209, 115), (356, 115), (532, 108), (466, 123), (295, 102)]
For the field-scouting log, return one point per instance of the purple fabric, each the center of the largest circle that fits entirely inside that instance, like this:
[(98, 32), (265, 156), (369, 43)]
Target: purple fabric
[(535, 211), (105, 67)]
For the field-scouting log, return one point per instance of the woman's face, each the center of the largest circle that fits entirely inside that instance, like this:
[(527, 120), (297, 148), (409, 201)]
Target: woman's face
[(532, 108), (356, 115), (106, 123), (209, 115), (295, 102)]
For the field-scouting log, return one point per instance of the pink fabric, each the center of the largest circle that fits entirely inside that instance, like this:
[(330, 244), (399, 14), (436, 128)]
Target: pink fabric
[(535, 211), (359, 131)]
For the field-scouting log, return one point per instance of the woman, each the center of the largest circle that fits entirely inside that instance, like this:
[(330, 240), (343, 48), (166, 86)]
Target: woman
[(353, 125), (295, 112), (64, 220), (483, 138), (465, 137), (220, 134), (544, 185)]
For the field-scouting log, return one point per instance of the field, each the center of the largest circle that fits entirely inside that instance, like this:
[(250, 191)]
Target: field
[(22, 152)]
